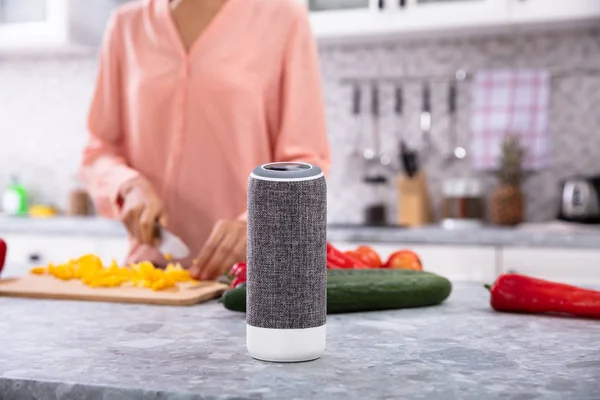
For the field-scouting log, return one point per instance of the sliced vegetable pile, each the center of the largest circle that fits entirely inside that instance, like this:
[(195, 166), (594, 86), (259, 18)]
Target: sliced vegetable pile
[(91, 272), (524, 294), (363, 257)]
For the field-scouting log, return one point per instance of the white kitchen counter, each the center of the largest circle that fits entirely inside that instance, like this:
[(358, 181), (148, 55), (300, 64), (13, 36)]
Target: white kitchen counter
[(555, 235), (554, 251)]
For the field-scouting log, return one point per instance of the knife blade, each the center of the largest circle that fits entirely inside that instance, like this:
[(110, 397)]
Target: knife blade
[(172, 244)]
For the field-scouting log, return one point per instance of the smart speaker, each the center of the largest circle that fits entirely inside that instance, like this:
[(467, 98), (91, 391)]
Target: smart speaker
[(286, 285)]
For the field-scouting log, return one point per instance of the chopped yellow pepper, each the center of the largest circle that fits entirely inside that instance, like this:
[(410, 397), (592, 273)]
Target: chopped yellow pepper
[(38, 270), (90, 270)]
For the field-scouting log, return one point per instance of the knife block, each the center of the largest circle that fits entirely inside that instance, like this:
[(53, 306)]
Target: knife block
[(413, 200)]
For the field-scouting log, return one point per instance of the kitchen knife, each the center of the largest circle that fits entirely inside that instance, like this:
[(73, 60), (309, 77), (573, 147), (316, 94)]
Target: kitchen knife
[(426, 118), (409, 160), (172, 244)]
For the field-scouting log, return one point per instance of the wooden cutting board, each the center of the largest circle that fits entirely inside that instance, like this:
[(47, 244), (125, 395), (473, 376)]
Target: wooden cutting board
[(48, 287)]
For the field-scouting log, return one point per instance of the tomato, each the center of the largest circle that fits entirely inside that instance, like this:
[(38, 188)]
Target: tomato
[(404, 259), (367, 255), (237, 274), (238, 269), (238, 280)]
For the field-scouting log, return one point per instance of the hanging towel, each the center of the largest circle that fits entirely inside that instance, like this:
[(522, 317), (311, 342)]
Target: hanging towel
[(515, 102)]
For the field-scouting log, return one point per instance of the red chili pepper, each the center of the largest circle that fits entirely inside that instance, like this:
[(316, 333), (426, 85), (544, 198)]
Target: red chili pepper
[(520, 293), (2, 253), (336, 259)]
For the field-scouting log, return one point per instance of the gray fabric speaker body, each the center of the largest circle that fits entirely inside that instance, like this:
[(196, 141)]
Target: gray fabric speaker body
[(287, 272)]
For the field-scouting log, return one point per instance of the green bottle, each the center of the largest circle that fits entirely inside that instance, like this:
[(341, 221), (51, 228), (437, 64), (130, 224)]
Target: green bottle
[(14, 200)]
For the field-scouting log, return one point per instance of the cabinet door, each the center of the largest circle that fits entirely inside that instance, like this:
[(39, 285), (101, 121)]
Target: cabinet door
[(577, 266), (458, 263), (30, 250), (343, 18), (25, 23), (23, 11), (109, 248), (457, 14), (553, 10)]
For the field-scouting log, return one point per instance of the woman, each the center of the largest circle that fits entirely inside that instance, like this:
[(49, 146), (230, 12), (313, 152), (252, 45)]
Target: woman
[(191, 95)]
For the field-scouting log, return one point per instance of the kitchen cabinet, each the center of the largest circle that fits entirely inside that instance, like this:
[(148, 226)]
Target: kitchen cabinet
[(58, 26), (579, 266), (456, 14), (23, 11), (335, 18), (546, 11), (29, 250), (331, 19), (112, 248), (26, 250), (363, 19), (459, 263)]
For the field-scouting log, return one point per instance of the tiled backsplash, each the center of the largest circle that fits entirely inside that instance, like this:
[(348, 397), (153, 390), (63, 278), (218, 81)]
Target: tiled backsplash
[(43, 106)]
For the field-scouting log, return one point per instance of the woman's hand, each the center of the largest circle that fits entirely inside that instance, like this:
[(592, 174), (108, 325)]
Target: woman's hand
[(141, 209), (225, 246)]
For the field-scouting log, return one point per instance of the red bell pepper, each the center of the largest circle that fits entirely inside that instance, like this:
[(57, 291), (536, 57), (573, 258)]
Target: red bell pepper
[(2, 253), (337, 259), (524, 294), (237, 274)]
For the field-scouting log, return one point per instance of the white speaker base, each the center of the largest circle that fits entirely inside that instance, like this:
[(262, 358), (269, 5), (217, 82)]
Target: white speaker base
[(285, 345)]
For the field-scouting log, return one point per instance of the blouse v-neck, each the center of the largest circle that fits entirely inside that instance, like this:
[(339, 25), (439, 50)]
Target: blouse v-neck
[(211, 29)]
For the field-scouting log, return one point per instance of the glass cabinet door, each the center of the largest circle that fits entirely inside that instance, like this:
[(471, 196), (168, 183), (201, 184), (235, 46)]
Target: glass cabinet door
[(22, 11), (458, 13), (337, 5), (448, 1)]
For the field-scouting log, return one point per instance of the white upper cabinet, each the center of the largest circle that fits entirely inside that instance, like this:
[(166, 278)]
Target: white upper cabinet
[(546, 11), (455, 14), (53, 25), (355, 19), (29, 23), (342, 18)]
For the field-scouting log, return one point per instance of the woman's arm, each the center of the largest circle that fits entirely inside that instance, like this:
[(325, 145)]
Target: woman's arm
[(104, 169), (301, 133)]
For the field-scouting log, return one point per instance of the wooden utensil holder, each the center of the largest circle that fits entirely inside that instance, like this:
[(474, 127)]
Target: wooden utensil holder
[(413, 200)]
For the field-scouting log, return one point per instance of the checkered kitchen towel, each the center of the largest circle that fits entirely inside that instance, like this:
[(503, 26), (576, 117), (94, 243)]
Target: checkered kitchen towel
[(510, 101)]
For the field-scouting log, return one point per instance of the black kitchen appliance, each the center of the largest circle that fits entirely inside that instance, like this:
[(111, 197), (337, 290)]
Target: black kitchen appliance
[(580, 200)]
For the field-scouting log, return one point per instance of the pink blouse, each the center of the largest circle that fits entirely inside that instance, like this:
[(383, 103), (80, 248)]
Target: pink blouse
[(195, 124)]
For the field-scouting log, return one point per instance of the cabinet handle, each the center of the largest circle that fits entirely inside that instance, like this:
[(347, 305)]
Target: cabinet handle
[(402, 3), (381, 4), (34, 257)]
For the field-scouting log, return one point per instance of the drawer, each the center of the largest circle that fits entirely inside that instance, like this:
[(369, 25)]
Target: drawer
[(577, 266), (460, 263), (109, 248), (25, 249)]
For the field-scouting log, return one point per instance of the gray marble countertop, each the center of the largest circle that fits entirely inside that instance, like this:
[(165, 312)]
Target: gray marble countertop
[(554, 234), (461, 349)]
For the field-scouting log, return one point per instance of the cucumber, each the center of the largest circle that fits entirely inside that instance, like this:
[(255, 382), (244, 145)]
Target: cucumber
[(369, 290)]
